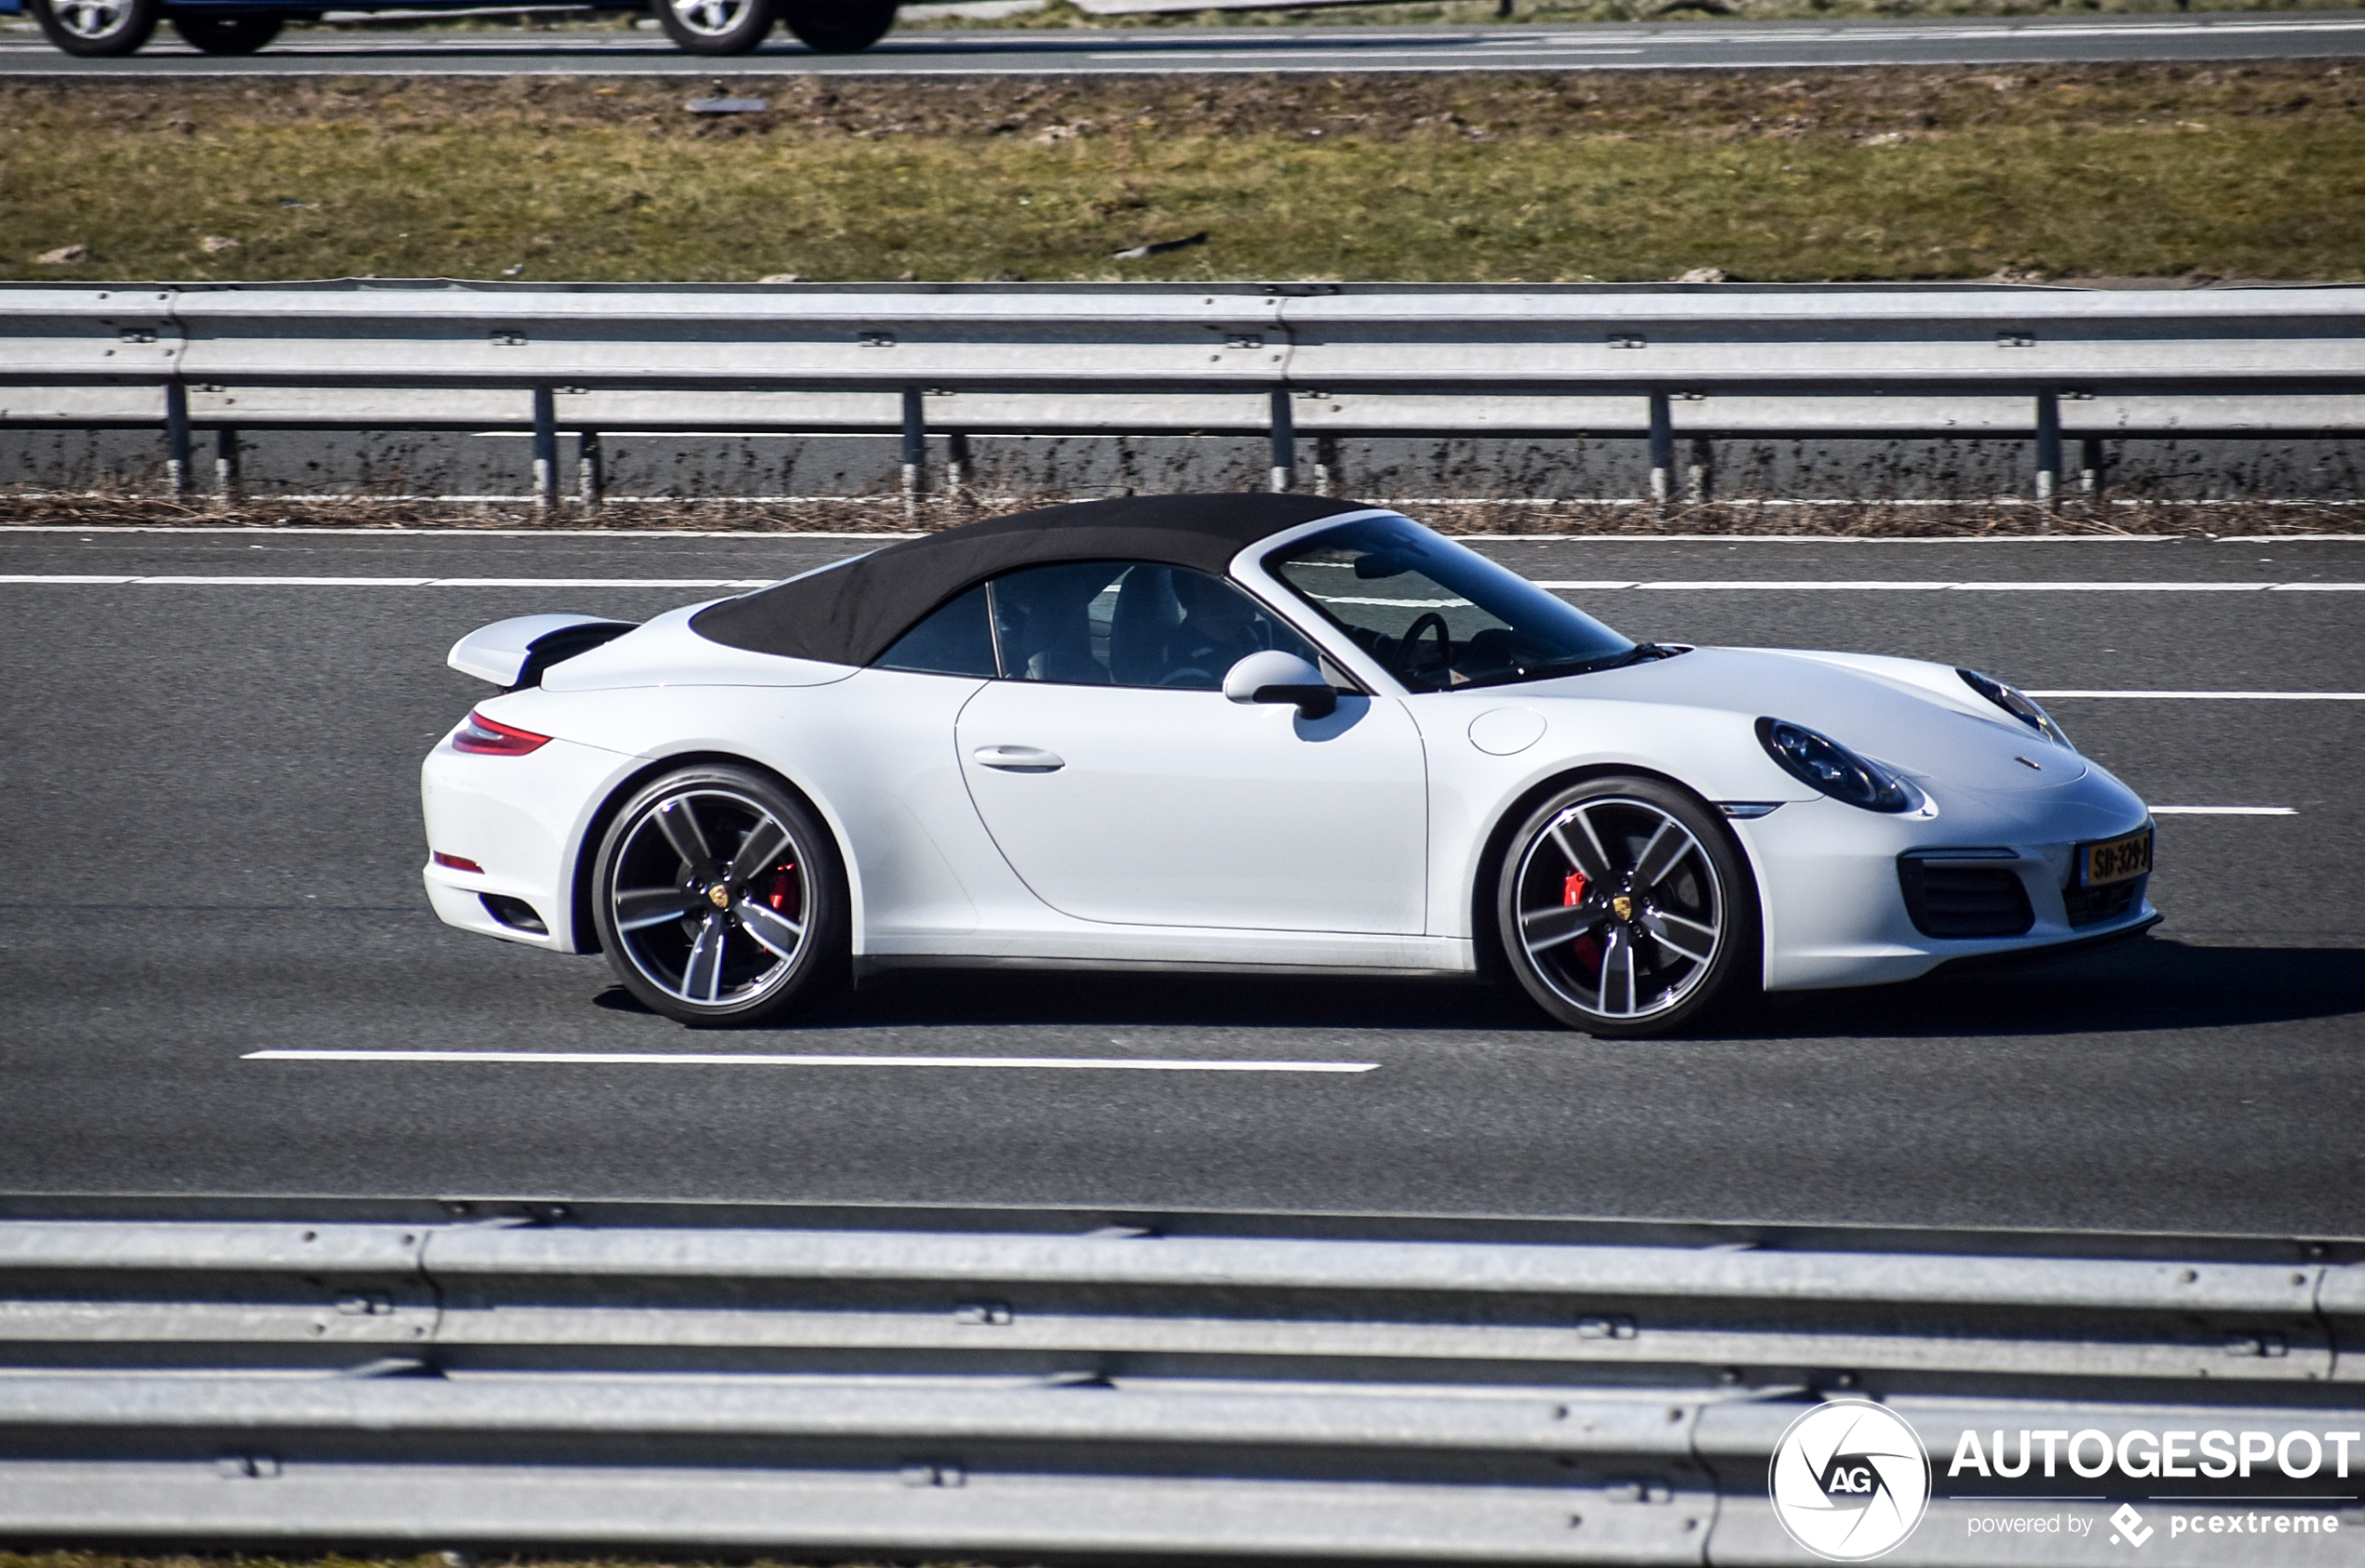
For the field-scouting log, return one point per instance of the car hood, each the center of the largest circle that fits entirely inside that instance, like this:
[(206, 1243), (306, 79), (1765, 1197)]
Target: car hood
[(1914, 716)]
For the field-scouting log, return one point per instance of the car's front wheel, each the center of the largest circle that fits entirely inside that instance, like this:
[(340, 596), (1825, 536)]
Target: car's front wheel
[(1625, 909), (838, 26), (98, 27), (227, 34), (719, 898), (716, 26)]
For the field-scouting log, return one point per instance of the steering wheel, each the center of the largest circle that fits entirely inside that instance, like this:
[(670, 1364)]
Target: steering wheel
[(1190, 675), (1430, 620)]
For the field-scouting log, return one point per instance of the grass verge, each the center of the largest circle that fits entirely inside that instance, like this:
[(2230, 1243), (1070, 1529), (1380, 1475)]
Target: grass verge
[(1490, 13), (1836, 519), (2132, 170)]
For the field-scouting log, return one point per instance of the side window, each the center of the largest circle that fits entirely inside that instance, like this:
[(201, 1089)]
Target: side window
[(954, 639), (1131, 624)]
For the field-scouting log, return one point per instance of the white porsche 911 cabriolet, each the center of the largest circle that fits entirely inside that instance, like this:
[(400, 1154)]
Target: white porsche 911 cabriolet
[(1255, 733)]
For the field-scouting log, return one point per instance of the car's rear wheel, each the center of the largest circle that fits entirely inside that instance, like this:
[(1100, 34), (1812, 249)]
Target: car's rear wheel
[(719, 899), (838, 26), (98, 27), (1625, 909), (716, 26), (227, 34)]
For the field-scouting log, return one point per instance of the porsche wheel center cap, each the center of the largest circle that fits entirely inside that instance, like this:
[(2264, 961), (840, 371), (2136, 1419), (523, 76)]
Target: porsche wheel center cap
[(719, 895), (1624, 905)]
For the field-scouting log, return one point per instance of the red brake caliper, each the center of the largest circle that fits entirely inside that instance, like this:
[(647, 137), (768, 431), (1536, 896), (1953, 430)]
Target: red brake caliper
[(1587, 948), (783, 886)]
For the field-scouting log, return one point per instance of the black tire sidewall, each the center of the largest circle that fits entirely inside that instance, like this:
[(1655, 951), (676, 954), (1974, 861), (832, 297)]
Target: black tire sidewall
[(821, 966), (752, 28), (838, 26), (1733, 972), (204, 32), (140, 22)]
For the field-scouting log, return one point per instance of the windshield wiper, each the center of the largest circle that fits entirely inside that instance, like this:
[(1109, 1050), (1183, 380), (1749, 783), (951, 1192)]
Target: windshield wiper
[(1546, 669)]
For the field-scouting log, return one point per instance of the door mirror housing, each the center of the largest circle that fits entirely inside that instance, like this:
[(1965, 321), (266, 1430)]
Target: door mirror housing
[(1275, 676)]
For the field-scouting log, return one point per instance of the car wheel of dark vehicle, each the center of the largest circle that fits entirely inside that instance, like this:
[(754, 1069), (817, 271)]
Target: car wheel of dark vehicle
[(97, 27), (719, 899), (716, 26), (230, 34), (838, 26), (1625, 909)]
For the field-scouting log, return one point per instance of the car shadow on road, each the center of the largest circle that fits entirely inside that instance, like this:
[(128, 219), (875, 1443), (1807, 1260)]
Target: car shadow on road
[(2151, 983), (2143, 985)]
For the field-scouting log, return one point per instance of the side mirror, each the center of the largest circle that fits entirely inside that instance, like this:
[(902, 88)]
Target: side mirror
[(1275, 676)]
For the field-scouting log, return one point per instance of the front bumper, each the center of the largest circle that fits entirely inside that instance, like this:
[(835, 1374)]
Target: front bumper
[(1835, 911)]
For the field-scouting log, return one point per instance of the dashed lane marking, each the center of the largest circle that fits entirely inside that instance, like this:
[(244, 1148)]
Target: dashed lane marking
[(696, 1059)]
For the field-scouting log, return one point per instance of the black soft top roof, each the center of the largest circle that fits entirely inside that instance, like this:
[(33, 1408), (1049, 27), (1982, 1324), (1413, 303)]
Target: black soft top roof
[(852, 613)]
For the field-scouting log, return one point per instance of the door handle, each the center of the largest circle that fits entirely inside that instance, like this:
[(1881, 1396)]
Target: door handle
[(1018, 759)]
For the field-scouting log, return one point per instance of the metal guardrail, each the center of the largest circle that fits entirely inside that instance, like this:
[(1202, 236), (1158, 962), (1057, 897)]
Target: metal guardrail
[(1669, 364), (1177, 1387)]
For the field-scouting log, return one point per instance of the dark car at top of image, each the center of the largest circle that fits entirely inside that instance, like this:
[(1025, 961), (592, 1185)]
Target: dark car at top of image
[(233, 27)]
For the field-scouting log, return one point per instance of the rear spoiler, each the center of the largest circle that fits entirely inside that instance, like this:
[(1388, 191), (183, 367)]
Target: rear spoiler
[(514, 653)]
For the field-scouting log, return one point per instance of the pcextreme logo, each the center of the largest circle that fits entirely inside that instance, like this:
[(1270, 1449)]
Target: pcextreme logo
[(1849, 1480)]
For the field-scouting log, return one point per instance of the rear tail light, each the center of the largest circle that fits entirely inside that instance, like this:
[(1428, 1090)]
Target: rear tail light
[(486, 738)]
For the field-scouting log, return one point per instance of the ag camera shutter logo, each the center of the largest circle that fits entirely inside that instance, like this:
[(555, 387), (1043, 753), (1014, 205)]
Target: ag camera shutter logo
[(1849, 1480)]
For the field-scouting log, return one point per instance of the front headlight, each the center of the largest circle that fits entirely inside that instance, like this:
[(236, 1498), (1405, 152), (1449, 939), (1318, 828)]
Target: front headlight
[(2012, 700), (1817, 760)]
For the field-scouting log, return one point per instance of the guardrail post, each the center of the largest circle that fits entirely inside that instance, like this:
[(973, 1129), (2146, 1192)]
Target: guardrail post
[(1284, 430), (226, 462), (1662, 450), (2090, 466), (546, 450), (1326, 465), (176, 438), (590, 471), (915, 449), (957, 465), (2049, 451), (1698, 476)]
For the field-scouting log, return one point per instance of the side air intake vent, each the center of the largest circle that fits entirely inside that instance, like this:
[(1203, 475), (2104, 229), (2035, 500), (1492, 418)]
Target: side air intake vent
[(2092, 906), (1962, 897)]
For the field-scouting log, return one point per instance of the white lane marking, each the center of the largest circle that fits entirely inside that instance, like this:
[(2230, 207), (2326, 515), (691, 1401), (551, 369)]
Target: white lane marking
[(403, 582), (384, 531), (2224, 811), (693, 1059), (1887, 585), (2218, 696), (1605, 585)]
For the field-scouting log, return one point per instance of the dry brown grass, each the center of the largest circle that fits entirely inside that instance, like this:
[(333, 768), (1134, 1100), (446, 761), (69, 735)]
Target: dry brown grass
[(888, 515), (2156, 171)]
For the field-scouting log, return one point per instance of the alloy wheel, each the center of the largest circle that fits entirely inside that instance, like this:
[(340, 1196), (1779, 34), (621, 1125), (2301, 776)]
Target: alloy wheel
[(93, 19), (1620, 910), (711, 897)]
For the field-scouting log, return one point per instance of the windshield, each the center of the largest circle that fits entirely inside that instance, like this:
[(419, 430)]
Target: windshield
[(1437, 615)]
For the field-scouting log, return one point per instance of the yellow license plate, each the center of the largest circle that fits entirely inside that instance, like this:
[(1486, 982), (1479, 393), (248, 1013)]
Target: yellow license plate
[(2114, 859)]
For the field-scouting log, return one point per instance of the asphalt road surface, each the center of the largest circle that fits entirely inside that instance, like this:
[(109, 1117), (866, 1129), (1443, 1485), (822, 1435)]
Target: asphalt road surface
[(210, 845), (1679, 46)]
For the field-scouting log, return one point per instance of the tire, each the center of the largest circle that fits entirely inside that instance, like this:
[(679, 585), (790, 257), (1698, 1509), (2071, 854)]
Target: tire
[(716, 26), (719, 899), (98, 27), (227, 34), (1626, 910), (838, 26)]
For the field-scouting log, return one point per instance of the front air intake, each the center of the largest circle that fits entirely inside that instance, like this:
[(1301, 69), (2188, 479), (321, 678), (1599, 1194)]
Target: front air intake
[(2092, 906), (1958, 898)]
